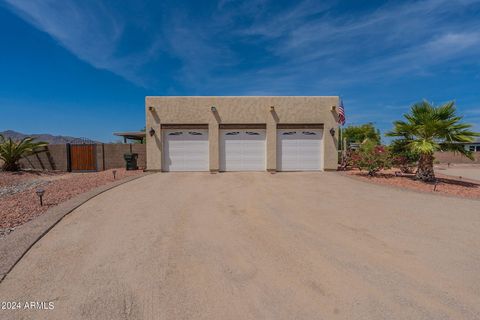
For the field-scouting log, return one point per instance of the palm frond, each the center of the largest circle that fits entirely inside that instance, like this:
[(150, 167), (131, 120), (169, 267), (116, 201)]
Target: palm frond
[(11, 151)]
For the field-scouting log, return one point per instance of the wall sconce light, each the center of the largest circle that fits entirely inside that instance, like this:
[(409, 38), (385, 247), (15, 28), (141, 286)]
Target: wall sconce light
[(332, 132), (150, 108), (151, 132), (334, 108), (272, 108), (40, 192), (213, 109)]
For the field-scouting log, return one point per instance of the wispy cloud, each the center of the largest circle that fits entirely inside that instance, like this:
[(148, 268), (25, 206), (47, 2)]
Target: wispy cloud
[(89, 30), (394, 39), (261, 46), (309, 45)]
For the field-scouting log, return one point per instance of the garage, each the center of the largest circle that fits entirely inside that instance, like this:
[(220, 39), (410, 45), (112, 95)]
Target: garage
[(243, 149), (185, 149), (299, 148), (218, 134)]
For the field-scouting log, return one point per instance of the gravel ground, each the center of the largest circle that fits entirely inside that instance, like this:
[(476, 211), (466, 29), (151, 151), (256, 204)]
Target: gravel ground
[(445, 185), (19, 203), (300, 245)]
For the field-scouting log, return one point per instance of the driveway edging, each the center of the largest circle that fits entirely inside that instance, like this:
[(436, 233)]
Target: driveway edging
[(16, 245)]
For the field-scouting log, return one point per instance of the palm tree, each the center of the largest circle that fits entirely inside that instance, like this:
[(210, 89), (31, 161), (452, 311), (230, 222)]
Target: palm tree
[(11, 151), (430, 128)]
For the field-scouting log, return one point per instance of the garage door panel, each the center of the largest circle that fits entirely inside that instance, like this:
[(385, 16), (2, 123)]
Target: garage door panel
[(242, 150), (299, 150), (186, 150)]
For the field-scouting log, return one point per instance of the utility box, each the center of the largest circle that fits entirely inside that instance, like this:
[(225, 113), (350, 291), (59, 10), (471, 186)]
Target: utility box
[(131, 161)]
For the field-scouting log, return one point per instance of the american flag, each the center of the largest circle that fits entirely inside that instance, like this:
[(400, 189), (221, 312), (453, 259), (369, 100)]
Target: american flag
[(341, 113)]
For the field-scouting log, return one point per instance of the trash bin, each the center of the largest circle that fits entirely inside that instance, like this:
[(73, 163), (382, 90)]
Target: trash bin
[(131, 161)]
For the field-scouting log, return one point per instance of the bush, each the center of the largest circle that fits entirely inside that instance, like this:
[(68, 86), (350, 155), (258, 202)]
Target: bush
[(12, 151), (403, 157), (371, 158)]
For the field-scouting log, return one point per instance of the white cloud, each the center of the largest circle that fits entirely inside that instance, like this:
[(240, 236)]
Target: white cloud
[(90, 31), (300, 48), (308, 46), (392, 36)]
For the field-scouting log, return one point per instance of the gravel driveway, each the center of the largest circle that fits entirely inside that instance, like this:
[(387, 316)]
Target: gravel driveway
[(256, 246)]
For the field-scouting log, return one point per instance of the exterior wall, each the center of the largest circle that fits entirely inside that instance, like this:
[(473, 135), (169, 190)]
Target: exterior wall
[(113, 155), (141, 150), (240, 110), (109, 156), (450, 157), (100, 149), (53, 158)]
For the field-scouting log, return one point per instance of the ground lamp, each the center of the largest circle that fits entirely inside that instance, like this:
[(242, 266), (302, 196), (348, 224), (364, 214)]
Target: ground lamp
[(40, 192), (114, 174)]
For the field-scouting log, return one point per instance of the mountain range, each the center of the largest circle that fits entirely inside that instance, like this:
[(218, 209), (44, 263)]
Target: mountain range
[(45, 137)]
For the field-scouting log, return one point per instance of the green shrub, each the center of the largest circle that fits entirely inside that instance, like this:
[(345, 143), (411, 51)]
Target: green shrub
[(371, 158), (403, 157)]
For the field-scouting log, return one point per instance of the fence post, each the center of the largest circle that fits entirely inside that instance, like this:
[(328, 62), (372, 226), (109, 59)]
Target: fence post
[(103, 156), (69, 158)]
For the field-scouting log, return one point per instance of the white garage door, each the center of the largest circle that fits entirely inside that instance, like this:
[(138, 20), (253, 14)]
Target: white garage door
[(242, 150), (299, 149), (185, 150)]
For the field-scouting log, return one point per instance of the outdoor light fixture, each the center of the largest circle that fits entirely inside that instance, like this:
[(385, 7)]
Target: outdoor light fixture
[(151, 132), (40, 192), (213, 109), (272, 108), (150, 108), (332, 131), (334, 108), (114, 174)]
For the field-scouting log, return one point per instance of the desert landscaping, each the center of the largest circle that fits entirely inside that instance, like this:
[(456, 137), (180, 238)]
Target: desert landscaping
[(466, 185), (19, 202)]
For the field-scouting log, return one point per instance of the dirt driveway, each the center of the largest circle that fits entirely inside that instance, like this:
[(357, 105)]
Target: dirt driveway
[(256, 246), (471, 172)]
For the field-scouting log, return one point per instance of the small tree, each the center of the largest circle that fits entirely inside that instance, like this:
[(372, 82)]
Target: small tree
[(12, 151), (358, 134), (430, 128), (371, 157)]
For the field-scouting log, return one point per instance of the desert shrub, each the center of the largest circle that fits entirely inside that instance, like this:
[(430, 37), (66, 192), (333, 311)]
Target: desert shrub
[(12, 151), (371, 157), (403, 157)]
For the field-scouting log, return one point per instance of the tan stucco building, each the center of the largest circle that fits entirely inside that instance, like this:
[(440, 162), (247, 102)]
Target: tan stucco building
[(242, 133)]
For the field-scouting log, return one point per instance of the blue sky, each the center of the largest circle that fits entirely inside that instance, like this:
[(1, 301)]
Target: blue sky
[(83, 68)]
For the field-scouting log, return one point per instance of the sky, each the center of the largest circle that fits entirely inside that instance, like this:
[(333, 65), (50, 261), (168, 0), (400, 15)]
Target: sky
[(83, 67)]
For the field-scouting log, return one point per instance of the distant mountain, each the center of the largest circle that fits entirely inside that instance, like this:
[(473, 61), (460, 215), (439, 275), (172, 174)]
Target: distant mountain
[(51, 139)]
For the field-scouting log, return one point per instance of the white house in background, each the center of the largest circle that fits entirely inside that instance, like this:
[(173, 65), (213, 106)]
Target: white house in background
[(473, 146)]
